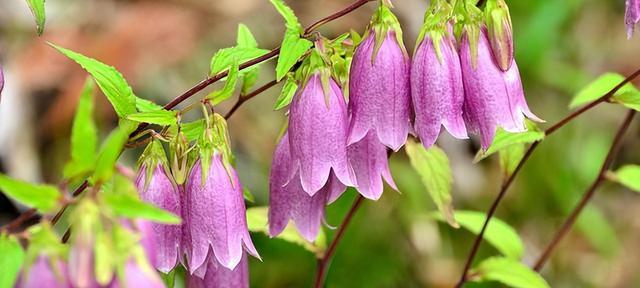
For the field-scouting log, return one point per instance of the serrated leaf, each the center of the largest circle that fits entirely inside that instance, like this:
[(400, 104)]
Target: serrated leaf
[(11, 260), (599, 87), (628, 175), (131, 207), (84, 136), (219, 96), (110, 81), (505, 139), (257, 221), (37, 9), (144, 105), (225, 58), (286, 96), (499, 234), (159, 117), (509, 272), (289, 16), (42, 197), (250, 74), (433, 167), (510, 157), (109, 154), (292, 48), (245, 38)]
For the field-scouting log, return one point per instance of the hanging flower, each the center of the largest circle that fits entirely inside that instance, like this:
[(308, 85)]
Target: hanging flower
[(156, 187), (632, 16), (379, 99), (218, 276), (318, 134), (493, 98), (369, 160), (500, 33), (137, 275), (287, 199), (45, 272)]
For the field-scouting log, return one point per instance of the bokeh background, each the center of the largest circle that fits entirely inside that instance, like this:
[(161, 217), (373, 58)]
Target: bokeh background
[(163, 47)]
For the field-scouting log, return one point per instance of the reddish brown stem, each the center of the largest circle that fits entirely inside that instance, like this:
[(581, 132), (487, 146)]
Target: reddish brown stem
[(245, 98), (566, 227)]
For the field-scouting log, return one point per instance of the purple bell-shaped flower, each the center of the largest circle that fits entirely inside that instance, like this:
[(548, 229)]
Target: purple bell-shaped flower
[(370, 163), (218, 276), (632, 16), (45, 272)]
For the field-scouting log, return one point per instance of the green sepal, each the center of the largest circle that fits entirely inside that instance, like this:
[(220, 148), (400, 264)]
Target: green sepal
[(435, 24), (179, 152), (153, 156), (382, 22), (215, 140)]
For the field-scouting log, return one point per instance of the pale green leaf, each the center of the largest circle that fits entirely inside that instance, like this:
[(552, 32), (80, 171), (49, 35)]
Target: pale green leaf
[(191, 130), (433, 167), (499, 234), (510, 157), (42, 197), (599, 87), (509, 272), (250, 74), (505, 139), (257, 221), (629, 98), (144, 105), (288, 91), (225, 58), (293, 47), (245, 38), (159, 117), (37, 9), (131, 207), (11, 260), (289, 16), (84, 136), (219, 96), (109, 154), (628, 175), (110, 81)]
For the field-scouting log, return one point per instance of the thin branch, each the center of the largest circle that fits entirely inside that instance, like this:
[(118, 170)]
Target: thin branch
[(245, 98), (566, 227), (509, 181), (336, 15), (324, 262)]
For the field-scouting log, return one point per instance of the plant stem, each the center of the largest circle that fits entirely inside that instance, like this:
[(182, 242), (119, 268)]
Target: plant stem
[(566, 227), (323, 263), (504, 188), (245, 98)]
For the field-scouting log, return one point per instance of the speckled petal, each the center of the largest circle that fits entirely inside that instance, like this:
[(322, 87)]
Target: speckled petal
[(318, 135), (369, 159), (437, 91), (379, 92)]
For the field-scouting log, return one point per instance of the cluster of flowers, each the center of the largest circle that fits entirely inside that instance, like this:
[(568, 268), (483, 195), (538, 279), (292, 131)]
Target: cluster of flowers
[(471, 84)]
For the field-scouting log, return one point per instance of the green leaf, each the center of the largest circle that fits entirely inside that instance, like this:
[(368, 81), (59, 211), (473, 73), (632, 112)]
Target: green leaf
[(630, 98), (248, 195), (144, 105), (509, 272), (433, 167), (628, 175), (499, 234), (599, 87), (84, 136), (37, 9), (159, 117), (11, 260), (132, 207), (510, 157), (191, 130), (293, 47), (110, 81), (227, 91), (257, 221), (109, 154), (42, 197), (245, 38), (289, 16), (505, 139), (288, 91), (225, 58)]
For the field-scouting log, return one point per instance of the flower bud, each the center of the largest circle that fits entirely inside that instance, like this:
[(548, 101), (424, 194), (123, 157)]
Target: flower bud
[(44, 272), (215, 214), (632, 15), (369, 160), (436, 87), (379, 99), (287, 199), (218, 276), (498, 23), (318, 134), (156, 187), (492, 97)]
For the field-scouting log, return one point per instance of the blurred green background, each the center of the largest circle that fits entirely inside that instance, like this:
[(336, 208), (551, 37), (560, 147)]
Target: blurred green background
[(163, 47)]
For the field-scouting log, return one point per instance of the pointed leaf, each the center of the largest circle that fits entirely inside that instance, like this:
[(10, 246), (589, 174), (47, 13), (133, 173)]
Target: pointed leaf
[(509, 272), (289, 16), (599, 87), (219, 96), (293, 47), (110, 81), (11, 260), (433, 167), (132, 207), (84, 136), (505, 139), (288, 91), (37, 8), (510, 157), (109, 154), (224, 58), (628, 175), (42, 197), (144, 105), (245, 38), (158, 117)]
